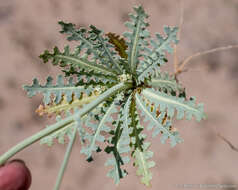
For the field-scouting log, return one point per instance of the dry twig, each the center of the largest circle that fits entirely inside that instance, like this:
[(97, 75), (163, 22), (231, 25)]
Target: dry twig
[(228, 142), (181, 66), (176, 62)]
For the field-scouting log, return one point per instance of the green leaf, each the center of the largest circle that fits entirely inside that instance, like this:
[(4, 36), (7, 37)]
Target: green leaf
[(137, 39), (76, 61), (57, 90), (62, 133), (65, 123), (155, 57), (114, 173), (157, 123), (65, 106), (121, 141), (97, 129), (94, 42), (164, 82), (150, 70), (105, 49), (79, 35), (91, 78), (94, 79), (183, 107), (143, 164), (136, 136), (164, 43)]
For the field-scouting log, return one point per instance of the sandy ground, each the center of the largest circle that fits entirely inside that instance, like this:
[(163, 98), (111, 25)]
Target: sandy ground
[(29, 27)]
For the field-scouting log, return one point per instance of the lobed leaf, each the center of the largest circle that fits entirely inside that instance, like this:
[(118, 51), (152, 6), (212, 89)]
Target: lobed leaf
[(80, 35), (183, 107), (76, 61), (59, 90), (164, 44), (154, 57), (97, 129), (159, 125), (107, 54), (137, 38), (64, 106), (62, 133), (94, 42), (121, 144), (142, 163), (150, 70), (164, 82), (119, 44)]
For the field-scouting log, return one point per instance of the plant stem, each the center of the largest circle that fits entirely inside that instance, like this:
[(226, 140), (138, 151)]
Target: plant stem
[(32, 139), (50, 129), (66, 159)]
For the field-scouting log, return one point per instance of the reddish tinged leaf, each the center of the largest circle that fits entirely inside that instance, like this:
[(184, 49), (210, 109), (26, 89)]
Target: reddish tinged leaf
[(119, 43)]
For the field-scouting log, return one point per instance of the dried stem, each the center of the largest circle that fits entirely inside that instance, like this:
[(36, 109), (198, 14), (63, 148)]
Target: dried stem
[(228, 142), (176, 62), (198, 54)]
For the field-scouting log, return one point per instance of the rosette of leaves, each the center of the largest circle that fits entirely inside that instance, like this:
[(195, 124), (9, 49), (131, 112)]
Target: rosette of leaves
[(110, 80)]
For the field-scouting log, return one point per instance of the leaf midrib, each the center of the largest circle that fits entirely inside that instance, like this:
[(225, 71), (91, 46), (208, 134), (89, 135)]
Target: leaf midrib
[(78, 61), (151, 116), (159, 97), (134, 45), (100, 125)]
